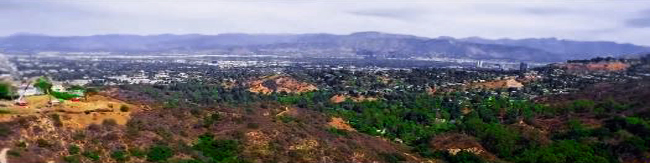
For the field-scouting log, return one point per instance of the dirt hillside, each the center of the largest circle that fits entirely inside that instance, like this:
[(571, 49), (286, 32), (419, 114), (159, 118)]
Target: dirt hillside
[(281, 83), (498, 84)]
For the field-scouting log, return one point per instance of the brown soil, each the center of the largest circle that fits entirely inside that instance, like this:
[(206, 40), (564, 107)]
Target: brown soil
[(304, 138), (431, 90), (454, 143), (560, 123), (497, 84), (77, 115), (532, 133), (284, 84), (602, 66), (342, 98), (340, 124)]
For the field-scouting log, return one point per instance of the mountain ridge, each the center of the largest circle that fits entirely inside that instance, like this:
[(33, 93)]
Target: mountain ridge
[(370, 43)]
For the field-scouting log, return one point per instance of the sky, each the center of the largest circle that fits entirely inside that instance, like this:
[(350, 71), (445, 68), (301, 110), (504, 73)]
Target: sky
[(606, 20)]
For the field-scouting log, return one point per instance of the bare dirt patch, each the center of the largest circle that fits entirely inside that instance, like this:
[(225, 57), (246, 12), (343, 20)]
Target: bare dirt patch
[(281, 83), (342, 98), (95, 110), (498, 84), (454, 143), (431, 90), (340, 124), (600, 66)]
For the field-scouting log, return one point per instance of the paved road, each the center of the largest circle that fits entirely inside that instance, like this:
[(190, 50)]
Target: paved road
[(3, 155)]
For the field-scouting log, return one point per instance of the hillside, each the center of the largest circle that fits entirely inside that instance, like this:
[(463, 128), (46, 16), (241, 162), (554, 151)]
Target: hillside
[(571, 49), (257, 133), (304, 115)]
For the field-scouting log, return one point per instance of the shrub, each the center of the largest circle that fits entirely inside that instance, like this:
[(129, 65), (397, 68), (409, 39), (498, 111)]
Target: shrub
[(190, 161), (5, 90), (72, 159), (209, 120), (583, 105), (5, 130), (561, 151), (164, 133), (159, 153), (120, 156), (21, 144), (73, 149), (252, 125), (137, 152), (56, 118), (462, 157), (43, 143), (217, 150), (63, 95), (94, 127), (249, 111), (79, 135), (92, 155), (124, 108), (109, 122), (286, 119), (14, 153), (3, 111), (133, 127), (196, 112), (337, 131), (392, 157)]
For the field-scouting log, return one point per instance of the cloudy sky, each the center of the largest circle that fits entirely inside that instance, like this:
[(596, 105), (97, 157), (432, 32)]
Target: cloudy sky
[(621, 21)]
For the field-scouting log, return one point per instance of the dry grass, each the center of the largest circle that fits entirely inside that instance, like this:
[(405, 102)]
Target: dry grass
[(73, 114), (342, 98), (284, 84)]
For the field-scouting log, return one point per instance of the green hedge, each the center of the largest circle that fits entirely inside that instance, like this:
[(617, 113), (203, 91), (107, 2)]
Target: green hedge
[(64, 95)]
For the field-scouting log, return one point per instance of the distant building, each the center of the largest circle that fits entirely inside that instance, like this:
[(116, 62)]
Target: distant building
[(479, 64), (28, 90), (58, 87), (523, 67)]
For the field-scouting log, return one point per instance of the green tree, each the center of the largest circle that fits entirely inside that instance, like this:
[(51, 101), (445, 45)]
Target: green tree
[(6, 90), (44, 85), (216, 149), (120, 156), (562, 151), (159, 153)]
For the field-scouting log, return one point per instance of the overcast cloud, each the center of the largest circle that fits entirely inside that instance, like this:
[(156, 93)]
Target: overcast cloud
[(621, 21)]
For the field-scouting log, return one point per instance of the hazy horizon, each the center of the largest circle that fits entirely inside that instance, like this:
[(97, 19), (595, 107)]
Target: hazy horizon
[(496, 38), (623, 22)]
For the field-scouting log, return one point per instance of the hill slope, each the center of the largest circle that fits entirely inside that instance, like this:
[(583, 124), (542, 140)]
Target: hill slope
[(572, 49)]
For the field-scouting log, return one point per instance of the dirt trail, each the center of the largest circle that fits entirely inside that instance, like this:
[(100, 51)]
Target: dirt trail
[(3, 155)]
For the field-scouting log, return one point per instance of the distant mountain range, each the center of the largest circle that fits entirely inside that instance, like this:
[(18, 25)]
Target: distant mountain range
[(366, 44)]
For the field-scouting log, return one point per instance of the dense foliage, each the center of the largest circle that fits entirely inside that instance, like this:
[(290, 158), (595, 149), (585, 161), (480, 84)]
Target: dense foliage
[(6, 91)]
